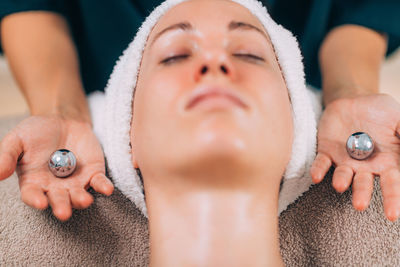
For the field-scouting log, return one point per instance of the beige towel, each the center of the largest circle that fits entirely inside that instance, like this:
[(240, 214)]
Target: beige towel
[(320, 229)]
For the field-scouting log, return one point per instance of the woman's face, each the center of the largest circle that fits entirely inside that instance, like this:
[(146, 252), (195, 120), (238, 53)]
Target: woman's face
[(210, 93)]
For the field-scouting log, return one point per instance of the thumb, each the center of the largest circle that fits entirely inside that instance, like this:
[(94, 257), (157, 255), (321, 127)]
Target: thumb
[(11, 147)]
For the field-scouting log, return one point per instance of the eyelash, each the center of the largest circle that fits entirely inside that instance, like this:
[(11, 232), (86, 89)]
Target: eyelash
[(176, 58), (250, 57), (173, 59)]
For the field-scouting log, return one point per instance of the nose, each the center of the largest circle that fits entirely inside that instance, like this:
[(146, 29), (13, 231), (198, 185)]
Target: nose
[(206, 68), (214, 63)]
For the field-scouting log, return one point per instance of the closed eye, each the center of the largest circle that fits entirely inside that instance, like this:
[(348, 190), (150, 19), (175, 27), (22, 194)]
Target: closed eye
[(249, 57), (172, 59)]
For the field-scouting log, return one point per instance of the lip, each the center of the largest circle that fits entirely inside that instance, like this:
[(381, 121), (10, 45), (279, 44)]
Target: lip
[(201, 94)]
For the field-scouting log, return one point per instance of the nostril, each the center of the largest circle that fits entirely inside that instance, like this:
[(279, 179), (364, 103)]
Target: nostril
[(224, 69), (204, 70)]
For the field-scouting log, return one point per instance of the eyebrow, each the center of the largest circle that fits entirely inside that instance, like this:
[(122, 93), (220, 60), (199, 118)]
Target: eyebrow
[(233, 25), (187, 27)]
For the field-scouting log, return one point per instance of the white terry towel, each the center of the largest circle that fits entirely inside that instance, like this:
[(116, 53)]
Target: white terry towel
[(112, 113)]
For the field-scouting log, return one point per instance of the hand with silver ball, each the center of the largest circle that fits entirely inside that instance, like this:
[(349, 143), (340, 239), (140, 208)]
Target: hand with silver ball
[(360, 137), (48, 173)]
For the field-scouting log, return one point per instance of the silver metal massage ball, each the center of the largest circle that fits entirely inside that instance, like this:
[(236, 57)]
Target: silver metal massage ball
[(62, 163), (360, 145)]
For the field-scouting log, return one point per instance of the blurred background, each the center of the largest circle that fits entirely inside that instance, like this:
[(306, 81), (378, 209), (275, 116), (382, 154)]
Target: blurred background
[(13, 103)]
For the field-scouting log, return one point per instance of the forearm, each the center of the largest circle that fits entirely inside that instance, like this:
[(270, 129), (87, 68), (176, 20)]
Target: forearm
[(45, 65), (350, 59)]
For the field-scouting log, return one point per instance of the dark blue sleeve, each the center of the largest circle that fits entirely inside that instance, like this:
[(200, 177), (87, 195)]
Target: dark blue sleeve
[(379, 15), (8, 7)]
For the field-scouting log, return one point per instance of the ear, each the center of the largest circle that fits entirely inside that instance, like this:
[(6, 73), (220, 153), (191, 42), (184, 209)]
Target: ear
[(398, 129), (134, 161), (133, 158)]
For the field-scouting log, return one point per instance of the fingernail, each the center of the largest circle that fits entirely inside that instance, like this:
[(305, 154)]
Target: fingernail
[(393, 215)]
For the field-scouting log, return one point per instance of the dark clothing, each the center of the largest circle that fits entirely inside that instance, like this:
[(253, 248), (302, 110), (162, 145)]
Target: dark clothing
[(102, 29), (311, 20)]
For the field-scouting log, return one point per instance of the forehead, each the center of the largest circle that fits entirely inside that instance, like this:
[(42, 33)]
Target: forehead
[(206, 15)]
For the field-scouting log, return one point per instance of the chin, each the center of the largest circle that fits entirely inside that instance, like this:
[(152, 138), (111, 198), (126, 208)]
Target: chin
[(220, 136), (219, 147)]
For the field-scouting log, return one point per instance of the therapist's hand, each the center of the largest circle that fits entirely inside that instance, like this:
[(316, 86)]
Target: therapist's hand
[(27, 149), (379, 116)]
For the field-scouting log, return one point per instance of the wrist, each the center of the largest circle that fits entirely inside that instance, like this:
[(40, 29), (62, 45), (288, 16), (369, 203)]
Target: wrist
[(65, 113), (66, 103), (332, 93)]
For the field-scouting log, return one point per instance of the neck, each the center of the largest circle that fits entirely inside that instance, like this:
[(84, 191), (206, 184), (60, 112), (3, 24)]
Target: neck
[(213, 227)]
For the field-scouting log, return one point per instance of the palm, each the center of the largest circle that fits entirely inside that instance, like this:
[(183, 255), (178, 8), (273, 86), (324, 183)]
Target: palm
[(40, 137), (377, 115)]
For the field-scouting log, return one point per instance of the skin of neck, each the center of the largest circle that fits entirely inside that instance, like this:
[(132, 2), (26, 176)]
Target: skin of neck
[(214, 219)]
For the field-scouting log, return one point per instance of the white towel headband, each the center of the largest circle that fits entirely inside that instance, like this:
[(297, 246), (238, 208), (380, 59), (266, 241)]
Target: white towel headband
[(112, 125)]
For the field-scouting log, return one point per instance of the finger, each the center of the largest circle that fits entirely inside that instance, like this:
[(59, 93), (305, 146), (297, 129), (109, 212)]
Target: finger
[(320, 167), (390, 184), (342, 178), (100, 183), (59, 200), (80, 198), (11, 148), (33, 196), (363, 185)]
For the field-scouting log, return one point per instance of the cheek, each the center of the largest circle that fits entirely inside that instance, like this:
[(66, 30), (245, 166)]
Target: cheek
[(276, 111), (156, 104)]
